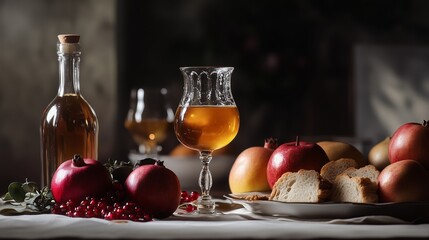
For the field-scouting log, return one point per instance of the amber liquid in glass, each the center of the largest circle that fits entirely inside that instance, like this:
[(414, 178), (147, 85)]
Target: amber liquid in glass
[(147, 130), (69, 126), (206, 127)]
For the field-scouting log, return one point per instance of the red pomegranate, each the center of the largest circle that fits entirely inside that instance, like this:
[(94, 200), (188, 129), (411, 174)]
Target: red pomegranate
[(78, 178), (154, 187)]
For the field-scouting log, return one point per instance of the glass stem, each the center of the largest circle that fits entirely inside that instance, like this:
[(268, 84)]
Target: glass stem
[(205, 202), (149, 149)]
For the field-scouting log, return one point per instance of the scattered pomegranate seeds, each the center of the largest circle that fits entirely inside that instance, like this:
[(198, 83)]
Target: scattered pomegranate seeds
[(115, 207)]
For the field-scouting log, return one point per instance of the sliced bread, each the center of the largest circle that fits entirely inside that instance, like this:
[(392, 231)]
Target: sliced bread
[(301, 186), (354, 189), (334, 168), (356, 185), (368, 171)]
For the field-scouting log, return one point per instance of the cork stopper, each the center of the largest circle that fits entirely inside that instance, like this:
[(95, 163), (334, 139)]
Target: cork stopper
[(68, 38), (68, 44)]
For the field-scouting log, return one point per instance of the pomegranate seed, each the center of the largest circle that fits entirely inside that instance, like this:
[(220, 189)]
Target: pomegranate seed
[(79, 209), (194, 195), (84, 203), (190, 208), (110, 208), (128, 209), (119, 211), (70, 203), (133, 217), (63, 207), (138, 209), (89, 214), (147, 218), (109, 216), (93, 202), (101, 205), (96, 212), (104, 212), (56, 209)]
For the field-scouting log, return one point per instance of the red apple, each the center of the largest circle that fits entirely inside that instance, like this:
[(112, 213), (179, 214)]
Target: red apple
[(410, 141), (404, 181), (293, 156)]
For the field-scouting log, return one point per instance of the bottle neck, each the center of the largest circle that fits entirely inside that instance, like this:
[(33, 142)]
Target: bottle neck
[(69, 73)]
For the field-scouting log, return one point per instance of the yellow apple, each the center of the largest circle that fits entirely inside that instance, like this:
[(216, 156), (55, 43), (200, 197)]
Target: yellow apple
[(249, 171), (336, 150), (379, 154)]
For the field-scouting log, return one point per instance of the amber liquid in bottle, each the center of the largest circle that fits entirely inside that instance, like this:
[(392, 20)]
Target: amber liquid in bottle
[(206, 128), (69, 124)]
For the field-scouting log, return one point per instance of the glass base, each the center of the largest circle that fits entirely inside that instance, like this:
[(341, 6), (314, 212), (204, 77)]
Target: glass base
[(206, 206), (199, 215)]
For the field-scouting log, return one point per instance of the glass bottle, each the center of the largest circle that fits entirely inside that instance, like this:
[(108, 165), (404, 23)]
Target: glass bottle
[(69, 124)]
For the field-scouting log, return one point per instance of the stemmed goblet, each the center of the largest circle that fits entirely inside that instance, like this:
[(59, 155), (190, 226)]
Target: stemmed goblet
[(148, 118), (206, 119)]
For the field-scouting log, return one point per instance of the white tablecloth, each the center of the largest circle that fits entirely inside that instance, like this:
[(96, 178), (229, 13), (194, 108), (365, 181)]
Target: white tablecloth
[(235, 224)]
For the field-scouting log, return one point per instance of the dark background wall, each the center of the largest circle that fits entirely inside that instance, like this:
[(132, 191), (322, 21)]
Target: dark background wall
[(294, 60)]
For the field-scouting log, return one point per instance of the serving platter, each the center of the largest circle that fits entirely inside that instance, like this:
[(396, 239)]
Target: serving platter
[(408, 211)]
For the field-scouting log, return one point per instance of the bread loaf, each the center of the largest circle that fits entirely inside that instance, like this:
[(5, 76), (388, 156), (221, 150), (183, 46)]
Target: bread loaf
[(354, 189), (368, 171), (356, 185), (301, 186), (334, 168)]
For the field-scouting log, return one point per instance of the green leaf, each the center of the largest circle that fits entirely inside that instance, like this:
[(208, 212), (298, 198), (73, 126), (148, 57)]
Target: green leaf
[(16, 191), (30, 187), (7, 197)]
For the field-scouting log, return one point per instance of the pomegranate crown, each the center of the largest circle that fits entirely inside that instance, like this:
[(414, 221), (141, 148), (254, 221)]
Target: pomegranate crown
[(150, 161)]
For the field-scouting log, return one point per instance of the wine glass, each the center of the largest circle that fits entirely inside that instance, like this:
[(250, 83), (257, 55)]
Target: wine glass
[(206, 119), (148, 118)]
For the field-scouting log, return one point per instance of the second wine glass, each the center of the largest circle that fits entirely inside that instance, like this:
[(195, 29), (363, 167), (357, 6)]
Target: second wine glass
[(148, 118)]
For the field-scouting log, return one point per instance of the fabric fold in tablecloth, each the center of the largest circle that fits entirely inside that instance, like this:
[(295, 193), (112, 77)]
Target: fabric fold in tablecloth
[(241, 213), (44, 226), (231, 211)]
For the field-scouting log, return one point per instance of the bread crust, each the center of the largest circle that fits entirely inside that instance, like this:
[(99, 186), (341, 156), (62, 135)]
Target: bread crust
[(367, 190), (333, 168), (349, 185), (323, 186)]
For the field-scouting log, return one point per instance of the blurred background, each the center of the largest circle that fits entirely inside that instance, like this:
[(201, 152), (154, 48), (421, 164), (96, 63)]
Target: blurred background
[(349, 70)]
